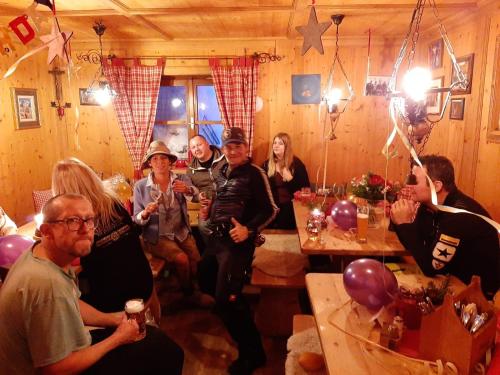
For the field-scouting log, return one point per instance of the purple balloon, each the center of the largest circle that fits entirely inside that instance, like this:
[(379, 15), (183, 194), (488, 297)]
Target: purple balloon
[(344, 214), (370, 283), (11, 247)]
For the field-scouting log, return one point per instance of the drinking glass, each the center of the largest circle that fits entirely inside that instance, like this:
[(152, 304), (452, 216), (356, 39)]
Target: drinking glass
[(135, 309), (155, 192), (362, 223)]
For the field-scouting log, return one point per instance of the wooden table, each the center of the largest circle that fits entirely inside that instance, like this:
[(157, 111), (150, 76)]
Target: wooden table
[(343, 354), (335, 241)]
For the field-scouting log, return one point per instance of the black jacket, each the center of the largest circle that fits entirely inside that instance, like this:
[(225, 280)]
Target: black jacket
[(243, 193), (300, 178), (204, 178), (459, 244)]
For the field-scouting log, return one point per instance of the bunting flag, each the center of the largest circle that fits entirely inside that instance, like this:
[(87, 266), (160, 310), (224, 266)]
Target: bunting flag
[(47, 3)]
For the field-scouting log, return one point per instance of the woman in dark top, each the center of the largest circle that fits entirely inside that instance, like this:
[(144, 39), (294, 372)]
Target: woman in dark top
[(116, 269), (287, 174)]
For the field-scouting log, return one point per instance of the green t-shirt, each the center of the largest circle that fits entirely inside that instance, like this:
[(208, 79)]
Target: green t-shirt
[(40, 320)]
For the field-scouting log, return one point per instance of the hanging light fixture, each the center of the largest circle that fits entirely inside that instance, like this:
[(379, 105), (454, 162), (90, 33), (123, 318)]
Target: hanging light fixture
[(408, 102), (100, 89), (335, 97)]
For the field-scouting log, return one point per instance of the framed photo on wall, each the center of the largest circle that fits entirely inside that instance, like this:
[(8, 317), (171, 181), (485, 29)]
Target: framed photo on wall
[(86, 98), (377, 85), (466, 64), (434, 99), (457, 107), (25, 104), (436, 54), (306, 88)]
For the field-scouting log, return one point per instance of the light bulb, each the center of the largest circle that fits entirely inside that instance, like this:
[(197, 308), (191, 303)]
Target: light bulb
[(176, 102), (333, 98), (102, 96), (416, 83)]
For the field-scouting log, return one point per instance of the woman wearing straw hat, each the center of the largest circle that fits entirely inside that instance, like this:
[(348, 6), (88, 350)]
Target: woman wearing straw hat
[(160, 208)]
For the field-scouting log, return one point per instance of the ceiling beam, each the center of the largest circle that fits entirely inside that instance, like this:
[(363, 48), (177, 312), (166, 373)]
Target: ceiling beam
[(118, 8), (138, 19)]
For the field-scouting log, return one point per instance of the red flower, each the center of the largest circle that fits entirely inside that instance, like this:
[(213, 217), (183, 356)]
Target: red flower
[(375, 180)]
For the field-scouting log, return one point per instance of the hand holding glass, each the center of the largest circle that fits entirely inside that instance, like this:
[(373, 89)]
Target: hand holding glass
[(135, 309)]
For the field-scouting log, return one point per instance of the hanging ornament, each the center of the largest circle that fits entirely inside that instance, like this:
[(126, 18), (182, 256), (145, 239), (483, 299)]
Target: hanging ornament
[(312, 32), (57, 41)]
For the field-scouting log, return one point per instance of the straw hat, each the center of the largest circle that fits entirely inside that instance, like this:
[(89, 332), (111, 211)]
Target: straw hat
[(156, 148)]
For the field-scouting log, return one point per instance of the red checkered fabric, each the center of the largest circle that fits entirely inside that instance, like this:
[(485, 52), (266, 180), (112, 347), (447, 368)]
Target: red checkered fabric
[(137, 87), (236, 90), (40, 197)]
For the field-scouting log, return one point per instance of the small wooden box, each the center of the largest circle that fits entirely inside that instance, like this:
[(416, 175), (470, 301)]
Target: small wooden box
[(443, 336)]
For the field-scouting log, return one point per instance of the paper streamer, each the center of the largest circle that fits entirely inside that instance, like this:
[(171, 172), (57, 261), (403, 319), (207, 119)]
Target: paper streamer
[(397, 130)]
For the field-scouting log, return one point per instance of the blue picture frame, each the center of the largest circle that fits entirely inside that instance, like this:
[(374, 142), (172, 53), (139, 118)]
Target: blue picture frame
[(306, 88)]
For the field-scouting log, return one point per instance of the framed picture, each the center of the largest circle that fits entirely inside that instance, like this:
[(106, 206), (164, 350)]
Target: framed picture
[(466, 64), (25, 108), (436, 54), (377, 85), (86, 98), (306, 88), (457, 108), (434, 100)]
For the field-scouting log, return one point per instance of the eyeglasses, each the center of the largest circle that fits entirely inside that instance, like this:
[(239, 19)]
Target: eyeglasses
[(75, 223)]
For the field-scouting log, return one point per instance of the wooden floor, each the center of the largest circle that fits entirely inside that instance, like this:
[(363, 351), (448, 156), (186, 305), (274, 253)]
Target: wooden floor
[(208, 348)]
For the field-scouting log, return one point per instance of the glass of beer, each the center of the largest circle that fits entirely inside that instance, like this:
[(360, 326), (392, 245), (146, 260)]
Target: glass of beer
[(134, 308), (362, 221)]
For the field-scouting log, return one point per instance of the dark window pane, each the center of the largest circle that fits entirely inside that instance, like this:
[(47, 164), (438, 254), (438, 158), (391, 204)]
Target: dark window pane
[(175, 137), (171, 103), (212, 133), (208, 110)]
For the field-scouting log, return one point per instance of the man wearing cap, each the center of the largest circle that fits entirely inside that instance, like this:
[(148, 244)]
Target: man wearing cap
[(160, 208), (243, 205)]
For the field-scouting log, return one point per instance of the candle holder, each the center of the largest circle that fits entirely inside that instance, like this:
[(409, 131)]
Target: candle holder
[(315, 224)]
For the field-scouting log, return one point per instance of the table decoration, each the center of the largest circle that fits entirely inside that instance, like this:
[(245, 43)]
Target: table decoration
[(376, 191), (315, 224), (344, 214)]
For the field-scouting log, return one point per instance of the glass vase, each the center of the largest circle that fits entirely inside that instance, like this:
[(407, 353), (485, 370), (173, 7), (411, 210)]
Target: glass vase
[(376, 213)]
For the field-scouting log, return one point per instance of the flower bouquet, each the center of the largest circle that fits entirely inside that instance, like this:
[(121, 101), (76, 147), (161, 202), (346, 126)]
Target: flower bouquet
[(374, 189)]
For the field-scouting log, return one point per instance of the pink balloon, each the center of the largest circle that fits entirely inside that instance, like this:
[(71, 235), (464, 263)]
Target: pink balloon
[(344, 214), (370, 283), (11, 247)]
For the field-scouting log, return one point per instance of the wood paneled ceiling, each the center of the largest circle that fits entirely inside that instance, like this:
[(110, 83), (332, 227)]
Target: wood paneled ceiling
[(235, 19)]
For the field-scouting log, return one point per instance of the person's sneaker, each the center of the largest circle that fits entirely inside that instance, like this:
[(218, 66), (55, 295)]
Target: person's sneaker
[(200, 299), (245, 366)]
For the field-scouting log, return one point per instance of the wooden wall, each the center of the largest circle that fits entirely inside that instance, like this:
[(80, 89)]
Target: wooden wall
[(27, 156)]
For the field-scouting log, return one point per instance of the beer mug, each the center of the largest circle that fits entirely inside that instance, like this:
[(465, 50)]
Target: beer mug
[(362, 223), (134, 308)]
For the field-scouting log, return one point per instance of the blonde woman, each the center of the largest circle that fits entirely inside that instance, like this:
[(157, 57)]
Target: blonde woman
[(116, 269), (287, 174)]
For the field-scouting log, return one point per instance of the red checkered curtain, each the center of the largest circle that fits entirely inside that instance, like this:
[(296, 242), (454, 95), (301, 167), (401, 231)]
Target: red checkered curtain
[(137, 87), (236, 90)]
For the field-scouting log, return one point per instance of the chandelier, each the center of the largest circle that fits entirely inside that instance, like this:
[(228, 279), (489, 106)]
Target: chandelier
[(99, 89), (408, 100), (334, 96)]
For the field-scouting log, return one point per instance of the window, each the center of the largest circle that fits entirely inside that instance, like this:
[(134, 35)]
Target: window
[(187, 106)]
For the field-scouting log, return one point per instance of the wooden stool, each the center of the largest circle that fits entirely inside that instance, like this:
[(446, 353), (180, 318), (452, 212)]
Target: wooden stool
[(278, 302)]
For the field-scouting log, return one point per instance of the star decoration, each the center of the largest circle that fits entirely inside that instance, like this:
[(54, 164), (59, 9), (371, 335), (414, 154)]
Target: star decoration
[(56, 42), (312, 33)]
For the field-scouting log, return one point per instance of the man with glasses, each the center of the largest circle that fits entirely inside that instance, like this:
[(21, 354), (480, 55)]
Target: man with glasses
[(460, 244), (42, 320)]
